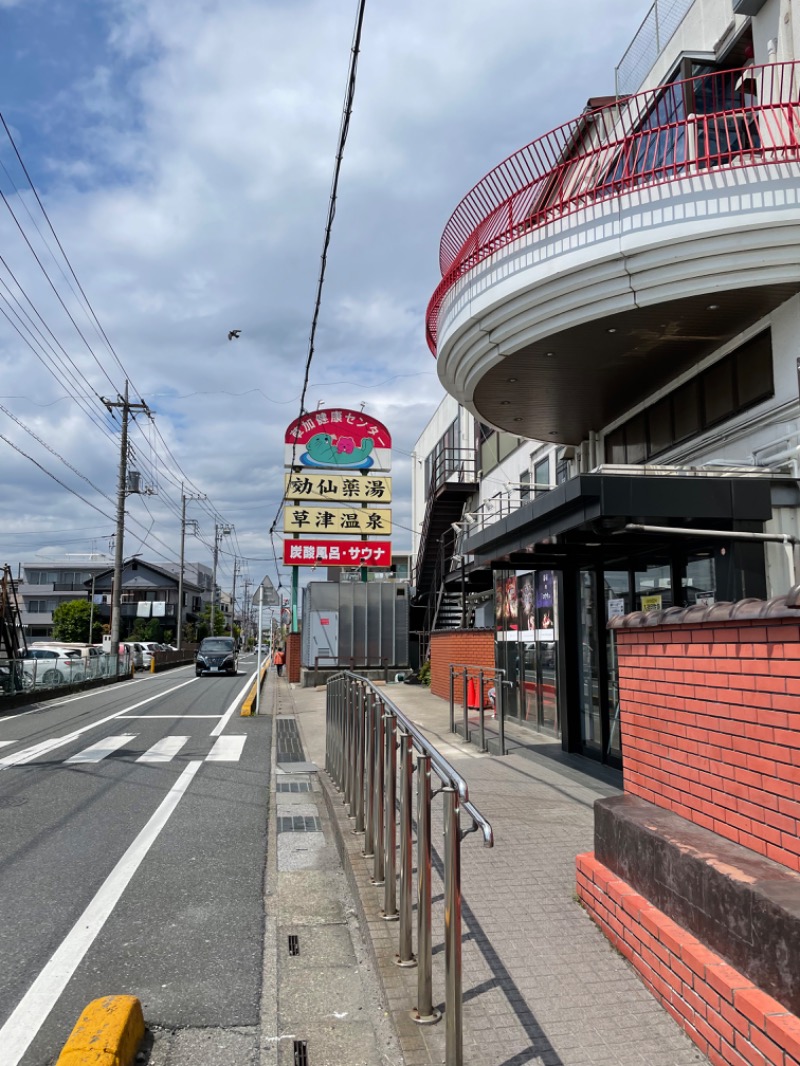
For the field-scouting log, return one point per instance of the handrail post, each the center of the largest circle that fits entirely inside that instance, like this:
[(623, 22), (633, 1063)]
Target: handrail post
[(369, 783), (424, 1013), (482, 726), (500, 697), (377, 796), (405, 953), (466, 704), (330, 695), (347, 767), (358, 796), (452, 699), (390, 819), (452, 929)]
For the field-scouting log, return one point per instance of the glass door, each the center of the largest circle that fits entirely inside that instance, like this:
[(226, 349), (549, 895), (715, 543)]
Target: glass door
[(589, 665), (617, 592)]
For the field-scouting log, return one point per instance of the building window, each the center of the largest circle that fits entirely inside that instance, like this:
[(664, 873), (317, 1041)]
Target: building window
[(562, 471), (723, 390), (541, 475), (525, 486)]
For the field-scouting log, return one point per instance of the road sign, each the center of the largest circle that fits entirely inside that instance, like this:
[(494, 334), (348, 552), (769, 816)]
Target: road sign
[(337, 553), (266, 595)]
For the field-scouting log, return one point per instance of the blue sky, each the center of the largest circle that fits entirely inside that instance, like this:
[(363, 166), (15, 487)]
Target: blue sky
[(184, 152)]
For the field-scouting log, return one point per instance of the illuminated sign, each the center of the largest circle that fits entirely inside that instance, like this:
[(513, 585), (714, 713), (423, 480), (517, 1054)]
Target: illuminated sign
[(338, 439), (337, 553), (324, 520), (338, 488)]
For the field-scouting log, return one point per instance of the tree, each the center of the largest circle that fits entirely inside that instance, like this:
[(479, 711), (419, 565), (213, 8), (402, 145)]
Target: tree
[(203, 624), (71, 623)]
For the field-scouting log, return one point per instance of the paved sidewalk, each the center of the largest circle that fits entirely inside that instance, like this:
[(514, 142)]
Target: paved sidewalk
[(541, 983)]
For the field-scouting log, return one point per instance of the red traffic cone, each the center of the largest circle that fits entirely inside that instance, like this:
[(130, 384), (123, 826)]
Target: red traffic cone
[(472, 694)]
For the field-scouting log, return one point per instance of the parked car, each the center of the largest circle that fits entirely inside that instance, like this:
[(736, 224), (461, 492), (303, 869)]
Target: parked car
[(136, 652), (95, 662), (54, 666), (217, 655), (148, 647)]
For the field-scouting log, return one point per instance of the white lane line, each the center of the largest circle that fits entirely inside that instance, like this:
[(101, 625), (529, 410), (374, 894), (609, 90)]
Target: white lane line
[(29, 754), (163, 750), (27, 1019), (215, 732), (165, 717), (98, 751), (226, 749)]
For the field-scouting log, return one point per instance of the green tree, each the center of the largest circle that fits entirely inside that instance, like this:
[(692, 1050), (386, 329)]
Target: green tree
[(204, 623), (71, 623)]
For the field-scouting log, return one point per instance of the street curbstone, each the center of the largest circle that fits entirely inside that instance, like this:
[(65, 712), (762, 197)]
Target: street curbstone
[(108, 1033)]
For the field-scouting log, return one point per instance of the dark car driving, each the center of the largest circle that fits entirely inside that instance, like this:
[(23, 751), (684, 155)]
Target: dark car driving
[(216, 655)]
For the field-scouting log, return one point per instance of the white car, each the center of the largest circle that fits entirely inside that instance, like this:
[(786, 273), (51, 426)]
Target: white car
[(54, 666)]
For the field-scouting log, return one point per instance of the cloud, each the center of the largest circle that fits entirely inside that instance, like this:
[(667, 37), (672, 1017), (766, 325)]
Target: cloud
[(187, 170)]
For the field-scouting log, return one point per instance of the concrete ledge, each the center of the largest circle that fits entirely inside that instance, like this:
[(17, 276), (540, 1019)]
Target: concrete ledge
[(742, 905), (108, 1033), (250, 698)]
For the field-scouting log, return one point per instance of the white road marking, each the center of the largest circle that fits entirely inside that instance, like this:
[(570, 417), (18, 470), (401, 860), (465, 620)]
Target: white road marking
[(215, 732), (226, 749), (27, 1019), (167, 717), (5, 743), (164, 750), (29, 754), (98, 751)]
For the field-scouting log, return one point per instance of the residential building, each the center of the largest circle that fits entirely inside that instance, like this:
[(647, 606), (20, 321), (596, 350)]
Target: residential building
[(617, 327), (44, 585), (149, 593)]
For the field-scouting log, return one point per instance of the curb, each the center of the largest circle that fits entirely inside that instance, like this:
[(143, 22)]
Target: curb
[(108, 1033), (250, 698)]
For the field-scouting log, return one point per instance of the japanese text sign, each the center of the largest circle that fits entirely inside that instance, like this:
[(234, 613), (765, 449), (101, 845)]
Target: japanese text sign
[(337, 553), (338, 439), (377, 522), (338, 488)]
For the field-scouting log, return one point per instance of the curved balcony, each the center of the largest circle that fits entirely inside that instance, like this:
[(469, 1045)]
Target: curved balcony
[(604, 258)]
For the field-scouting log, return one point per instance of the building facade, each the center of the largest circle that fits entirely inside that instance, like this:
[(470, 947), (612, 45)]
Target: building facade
[(618, 330)]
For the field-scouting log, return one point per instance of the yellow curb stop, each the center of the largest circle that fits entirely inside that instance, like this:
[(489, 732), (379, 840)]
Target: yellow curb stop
[(108, 1033), (250, 699)]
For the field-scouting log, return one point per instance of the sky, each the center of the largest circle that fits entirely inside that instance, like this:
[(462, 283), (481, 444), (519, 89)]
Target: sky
[(184, 152)]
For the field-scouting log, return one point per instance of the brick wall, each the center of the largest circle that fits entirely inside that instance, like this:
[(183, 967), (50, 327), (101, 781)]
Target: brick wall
[(732, 1021), (710, 720), (474, 647), (293, 658)]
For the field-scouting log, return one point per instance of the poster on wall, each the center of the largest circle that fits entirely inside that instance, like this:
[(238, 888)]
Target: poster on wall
[(544, 599), (505, 601), (526, 601), (651, 603)]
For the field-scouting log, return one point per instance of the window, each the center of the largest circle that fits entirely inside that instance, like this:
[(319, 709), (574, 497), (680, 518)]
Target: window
[(562, 471), (726, 388), (525, 485), (541, 475)]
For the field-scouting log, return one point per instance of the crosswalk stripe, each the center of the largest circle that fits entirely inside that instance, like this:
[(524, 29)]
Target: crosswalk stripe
[(164, 750), (98, 751), (226, 749)]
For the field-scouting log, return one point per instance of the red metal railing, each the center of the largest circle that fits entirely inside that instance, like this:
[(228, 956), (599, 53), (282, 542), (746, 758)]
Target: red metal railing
[(726, 120)]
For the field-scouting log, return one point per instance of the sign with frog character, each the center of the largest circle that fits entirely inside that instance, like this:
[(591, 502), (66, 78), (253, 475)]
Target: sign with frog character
[(338, 439)]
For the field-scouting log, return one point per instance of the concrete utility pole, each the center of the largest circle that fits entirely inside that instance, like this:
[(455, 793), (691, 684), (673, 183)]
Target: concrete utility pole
[(126, 407), (184, 498), (219, 533), (233, 594)]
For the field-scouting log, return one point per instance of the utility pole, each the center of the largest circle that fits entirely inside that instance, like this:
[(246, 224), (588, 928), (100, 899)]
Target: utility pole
[(219, 533), (184, 498), (233, 594), (126, 407), (246, 610)]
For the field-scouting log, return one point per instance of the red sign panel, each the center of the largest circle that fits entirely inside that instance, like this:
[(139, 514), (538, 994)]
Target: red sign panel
[(337, 553), (338, 421)]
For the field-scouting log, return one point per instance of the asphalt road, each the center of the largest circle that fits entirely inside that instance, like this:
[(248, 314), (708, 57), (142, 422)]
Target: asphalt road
[(133, 824)]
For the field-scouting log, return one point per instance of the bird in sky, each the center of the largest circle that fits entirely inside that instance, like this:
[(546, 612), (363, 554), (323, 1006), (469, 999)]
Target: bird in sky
[(233, 334)]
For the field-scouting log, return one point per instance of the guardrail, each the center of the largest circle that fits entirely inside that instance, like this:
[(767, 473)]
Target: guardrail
[(721, 121), (23, 676), (361, 758), (484, 680)]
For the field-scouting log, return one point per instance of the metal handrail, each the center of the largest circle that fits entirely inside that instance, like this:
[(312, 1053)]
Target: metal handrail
[(481, 674), (364, 730), (727, 120)]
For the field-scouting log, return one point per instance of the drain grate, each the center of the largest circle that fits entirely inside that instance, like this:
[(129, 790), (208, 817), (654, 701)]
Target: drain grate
[(294, 944), (299, 823), (300, 1053), (294, 786), (290, 747)]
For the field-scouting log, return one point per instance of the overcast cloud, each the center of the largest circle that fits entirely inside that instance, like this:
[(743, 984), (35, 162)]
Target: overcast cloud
[(184, 152)]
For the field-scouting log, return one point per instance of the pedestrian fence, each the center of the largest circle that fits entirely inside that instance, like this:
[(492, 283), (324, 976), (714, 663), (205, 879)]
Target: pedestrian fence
[(481, 689), (365, 731), (30, 674)]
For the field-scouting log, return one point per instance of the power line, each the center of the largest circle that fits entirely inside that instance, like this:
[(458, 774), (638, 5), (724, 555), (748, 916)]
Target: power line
[(344, 128)]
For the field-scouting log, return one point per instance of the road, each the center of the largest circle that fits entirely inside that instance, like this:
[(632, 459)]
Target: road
[(133, 825)]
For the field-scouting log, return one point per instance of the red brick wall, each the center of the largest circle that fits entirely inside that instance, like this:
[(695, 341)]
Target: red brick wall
[(473, 647), (293, 658), (732, 1021), (710, 720)]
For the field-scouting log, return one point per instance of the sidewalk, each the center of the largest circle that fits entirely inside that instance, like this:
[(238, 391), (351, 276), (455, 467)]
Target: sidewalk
[(541, 984)]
